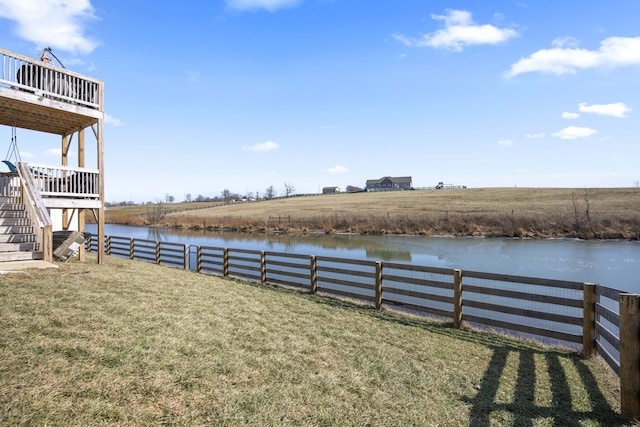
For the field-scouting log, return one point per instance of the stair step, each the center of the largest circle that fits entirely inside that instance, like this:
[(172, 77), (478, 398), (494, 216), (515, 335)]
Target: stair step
[(17, 238), (16, 229), (17, 247), (19, 256), (5, 199), (13, 214), (14, 221), (11, 206)]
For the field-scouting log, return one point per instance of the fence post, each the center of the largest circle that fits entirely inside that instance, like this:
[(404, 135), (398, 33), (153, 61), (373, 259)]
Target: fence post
[(313, 274), (186, 257), (263, 267), (157, 252), (630, 355), (589, 320), (378, 285), (199, 259), (108, 243), (132, 248), (457, 298), (225, 262)]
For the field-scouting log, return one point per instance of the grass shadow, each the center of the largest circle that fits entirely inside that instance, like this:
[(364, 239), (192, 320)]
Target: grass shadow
[(523, 409)]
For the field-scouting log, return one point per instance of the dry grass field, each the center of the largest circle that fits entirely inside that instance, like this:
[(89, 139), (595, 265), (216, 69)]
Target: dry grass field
[(516, 212)]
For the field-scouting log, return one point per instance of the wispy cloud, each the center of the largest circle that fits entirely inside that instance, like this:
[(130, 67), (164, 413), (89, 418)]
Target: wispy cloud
[(613, 52), (459, 31), (536, 135), (262, 146), (505, 142), (26, 155), (270, 5), (110, 120), (57, 152), (618, 109), (54, 23), (574, 132), (570, 116), (337, 169)]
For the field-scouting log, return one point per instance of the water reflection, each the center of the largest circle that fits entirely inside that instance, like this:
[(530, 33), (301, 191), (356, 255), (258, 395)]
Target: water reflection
[(611, 263)]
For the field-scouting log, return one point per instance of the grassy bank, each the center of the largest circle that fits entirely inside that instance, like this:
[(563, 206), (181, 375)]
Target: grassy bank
[(512, 212), (131, 343)]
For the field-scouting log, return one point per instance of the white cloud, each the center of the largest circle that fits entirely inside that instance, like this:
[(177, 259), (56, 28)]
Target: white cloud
[(505, 142), (613, 52), (536, 135), (574, 132), (568, 115), (565, 42), (337, 169), (459, 31), (57, 152), (618, 109), (110, 120), (263, 146), (51, 23), (270, 5)]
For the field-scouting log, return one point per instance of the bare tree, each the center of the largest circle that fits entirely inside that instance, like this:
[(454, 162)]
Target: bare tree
[(270, 192), (289, 189), (581, 216), (156, 213)]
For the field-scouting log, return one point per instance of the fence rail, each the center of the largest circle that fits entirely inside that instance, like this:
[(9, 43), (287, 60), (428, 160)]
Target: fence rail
[(554, 310)]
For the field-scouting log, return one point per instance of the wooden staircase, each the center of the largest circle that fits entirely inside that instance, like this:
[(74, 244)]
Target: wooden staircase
[(17, 238)]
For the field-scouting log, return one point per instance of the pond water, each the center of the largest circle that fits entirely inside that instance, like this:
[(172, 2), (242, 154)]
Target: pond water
[(615, 264)]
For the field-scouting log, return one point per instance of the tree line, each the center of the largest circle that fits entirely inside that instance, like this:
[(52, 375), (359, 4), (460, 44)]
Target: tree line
[(226, 196)]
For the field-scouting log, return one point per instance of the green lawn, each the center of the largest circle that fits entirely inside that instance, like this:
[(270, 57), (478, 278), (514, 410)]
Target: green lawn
[(138, 344)]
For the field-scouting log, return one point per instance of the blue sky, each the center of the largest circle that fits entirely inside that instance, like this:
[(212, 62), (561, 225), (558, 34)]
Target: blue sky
[(246, 94)]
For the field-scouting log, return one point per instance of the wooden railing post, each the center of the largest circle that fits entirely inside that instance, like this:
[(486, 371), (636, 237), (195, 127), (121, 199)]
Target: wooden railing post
[(313, 274), (589, 320), (132, 248), (378, 285), (47, 243), (630, 355), (186, 257), (199, 259), (225, 262), (108, 244), (157, 252), (263, 267), (457, 298)]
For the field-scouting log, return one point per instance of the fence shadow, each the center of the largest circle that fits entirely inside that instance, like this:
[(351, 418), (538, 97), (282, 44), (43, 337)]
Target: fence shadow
[(522, 410)]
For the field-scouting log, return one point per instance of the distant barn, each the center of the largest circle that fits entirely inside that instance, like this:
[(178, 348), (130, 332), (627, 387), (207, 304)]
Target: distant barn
[(389, 183), (330, 190)]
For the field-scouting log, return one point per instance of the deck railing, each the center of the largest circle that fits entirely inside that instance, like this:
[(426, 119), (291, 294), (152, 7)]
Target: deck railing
[(65, 181), (24, 73), (9, 185), (32, 200), (591, 317)]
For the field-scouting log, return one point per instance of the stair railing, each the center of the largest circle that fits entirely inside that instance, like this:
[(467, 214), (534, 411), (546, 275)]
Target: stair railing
[(37, 211)]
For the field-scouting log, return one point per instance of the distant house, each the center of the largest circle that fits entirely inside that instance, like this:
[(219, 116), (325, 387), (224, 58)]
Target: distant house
[(330, 190), (389, 183)]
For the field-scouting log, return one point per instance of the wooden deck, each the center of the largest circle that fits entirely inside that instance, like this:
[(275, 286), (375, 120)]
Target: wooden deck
[(41, 97)]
